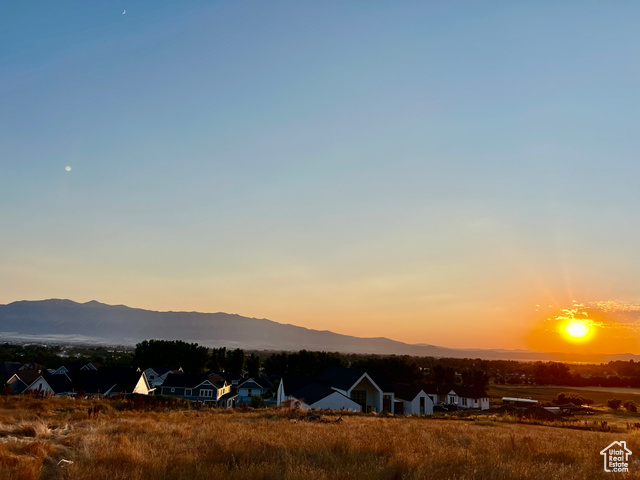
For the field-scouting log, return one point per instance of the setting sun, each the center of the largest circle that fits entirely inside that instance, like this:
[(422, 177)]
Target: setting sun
[(576, 329)]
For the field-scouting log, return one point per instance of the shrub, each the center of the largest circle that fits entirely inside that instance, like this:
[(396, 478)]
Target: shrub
[(257, 402), (563, 398), (630, 406), (614, 403)]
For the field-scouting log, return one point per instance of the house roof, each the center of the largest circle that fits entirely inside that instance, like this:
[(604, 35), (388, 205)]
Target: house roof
[(250, 383), (264, 382), (340, 377), (260, 382), (185, 380), (162, 370), (407, 392), (58, 383), (438, 389), (228, 395), (313, 393), (28, 376), (217, 380), (113, 380), (470, 392), (293, 384), (79, 365)]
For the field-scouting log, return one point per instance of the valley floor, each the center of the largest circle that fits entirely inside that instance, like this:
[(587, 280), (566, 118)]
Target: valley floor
[(116, 443)]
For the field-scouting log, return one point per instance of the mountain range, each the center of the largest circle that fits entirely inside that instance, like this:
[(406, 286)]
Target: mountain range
[(65, 321)]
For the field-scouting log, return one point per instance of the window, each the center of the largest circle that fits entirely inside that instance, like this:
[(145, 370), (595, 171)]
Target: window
[(206, 393), (452, 399), (464, 402), (360, 397), (187, 392), (248, 392)]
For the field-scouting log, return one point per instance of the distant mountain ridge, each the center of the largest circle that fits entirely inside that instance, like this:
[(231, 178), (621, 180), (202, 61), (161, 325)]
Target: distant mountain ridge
[(66, 321)]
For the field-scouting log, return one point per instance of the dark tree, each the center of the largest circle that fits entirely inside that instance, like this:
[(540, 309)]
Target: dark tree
[(253, 366), (190, 356), (475, 378), (235, 361), (442, 375), (218, 360)]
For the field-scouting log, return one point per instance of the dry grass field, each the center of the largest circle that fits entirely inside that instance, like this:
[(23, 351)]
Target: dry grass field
[(178, 443)]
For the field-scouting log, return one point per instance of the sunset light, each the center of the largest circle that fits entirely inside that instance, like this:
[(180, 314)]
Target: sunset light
[(576, 329)]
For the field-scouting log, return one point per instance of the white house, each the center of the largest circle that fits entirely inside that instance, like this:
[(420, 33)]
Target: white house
[(412, 400), (469, 397), (353, 385), (313, 396)]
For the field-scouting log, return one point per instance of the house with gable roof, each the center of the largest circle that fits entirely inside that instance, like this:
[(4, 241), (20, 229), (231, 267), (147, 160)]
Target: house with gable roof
[(412, 400), (20, 380), (106, 382), (354, 387), (49, 384), (250, 387), (78, 365), (157, 375), (199, 388), (110, 382), (472, 397), (312, 392)]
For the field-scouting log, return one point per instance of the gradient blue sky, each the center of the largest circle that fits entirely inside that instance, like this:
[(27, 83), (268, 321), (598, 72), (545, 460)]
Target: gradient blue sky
[(425, 171)]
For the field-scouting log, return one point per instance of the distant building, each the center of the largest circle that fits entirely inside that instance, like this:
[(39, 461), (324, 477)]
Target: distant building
[(519, 402)]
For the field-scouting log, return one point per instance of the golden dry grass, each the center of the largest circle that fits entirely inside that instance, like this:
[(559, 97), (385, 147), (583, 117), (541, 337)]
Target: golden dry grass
[(186, 444)]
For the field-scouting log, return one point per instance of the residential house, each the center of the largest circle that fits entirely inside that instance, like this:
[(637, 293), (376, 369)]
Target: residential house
[(226, 397), (49, 384), (310, 392), (198, 388), (442, 394), (20, 380), (519, 402), (157, 375), (111, 382), (250, 387), (412, 400), (232, 379), (103, 383), (472, 397), (355, 387), (78, 365)]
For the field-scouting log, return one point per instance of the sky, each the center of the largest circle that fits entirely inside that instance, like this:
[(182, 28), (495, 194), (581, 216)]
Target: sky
[(454, 173)]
